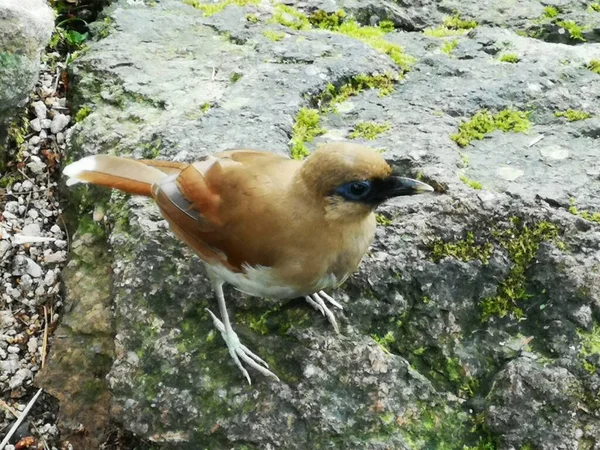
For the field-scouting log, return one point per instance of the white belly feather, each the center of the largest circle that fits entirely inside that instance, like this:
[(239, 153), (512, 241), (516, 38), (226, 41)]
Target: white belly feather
[(260, 281)]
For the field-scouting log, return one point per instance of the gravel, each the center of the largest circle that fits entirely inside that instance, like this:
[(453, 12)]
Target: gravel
[(33, 250)]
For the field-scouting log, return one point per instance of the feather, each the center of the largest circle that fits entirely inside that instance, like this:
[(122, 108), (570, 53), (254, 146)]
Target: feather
[(125, 174)]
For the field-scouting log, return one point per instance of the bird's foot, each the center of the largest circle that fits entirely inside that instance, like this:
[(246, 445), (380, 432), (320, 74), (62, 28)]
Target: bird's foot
[(317, 301), (238, 351)]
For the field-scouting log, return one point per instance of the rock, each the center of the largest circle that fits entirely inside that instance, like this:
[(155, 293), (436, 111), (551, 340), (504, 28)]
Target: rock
[(40, 110), (46, 123), (26, 282), (32, 345), (50, 278), (36, 167), (19, 378), (33, 229), (88, 341), (554, 152), (33, 268), (9, 366), (25, 28), (34, 215), (509, 173), (473, 311), (59, 122), (55, 257), (4, 248), (36, 124)]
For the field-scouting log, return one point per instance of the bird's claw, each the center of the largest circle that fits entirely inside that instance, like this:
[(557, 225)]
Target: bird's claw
[(240, 352), (317, 301)]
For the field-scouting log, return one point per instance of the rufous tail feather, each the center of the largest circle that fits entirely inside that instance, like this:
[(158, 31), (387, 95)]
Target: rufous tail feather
[(127, 175)]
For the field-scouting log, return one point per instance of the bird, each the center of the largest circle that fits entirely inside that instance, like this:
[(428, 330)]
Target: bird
[(271, 226)]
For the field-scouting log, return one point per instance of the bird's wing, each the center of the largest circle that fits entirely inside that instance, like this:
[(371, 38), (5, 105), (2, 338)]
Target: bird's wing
[(221, 204)]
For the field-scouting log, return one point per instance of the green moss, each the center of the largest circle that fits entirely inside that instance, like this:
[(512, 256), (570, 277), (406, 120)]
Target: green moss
[(455, 22), (464, 158), (369, 130), (471, 183), (151, 150), (573, 115), (435, 425), (509, 58), (592, 217), (385, 341), (589, 352), (373, 36), (306, 126), (18, 128), (234, 77), (323, 20), (452, 26), (332, 96), (104, 28), (252, 18), (387, 26), (382, 220), (521, 244), (594, 7), (483, 122), (448, 46), (290, 17), (82, 113), (277, 320), (463, 250), (594, 66), (273, 35), (210, 9), (337, 23), (575, 31), (550, 12), (92, 389), (305, 129)]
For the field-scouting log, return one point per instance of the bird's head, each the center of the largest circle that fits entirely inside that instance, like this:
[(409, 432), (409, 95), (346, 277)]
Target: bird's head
[(352, 180)]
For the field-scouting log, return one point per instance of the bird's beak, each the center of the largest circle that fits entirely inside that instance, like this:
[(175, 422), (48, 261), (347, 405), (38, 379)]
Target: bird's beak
[(406, 186)]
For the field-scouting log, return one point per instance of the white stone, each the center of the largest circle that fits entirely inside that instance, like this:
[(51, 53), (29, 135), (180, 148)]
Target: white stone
[(59, 122), (509, 173), (40, 109), (33, 229), (33, 268), (554, 152), (36, 125)]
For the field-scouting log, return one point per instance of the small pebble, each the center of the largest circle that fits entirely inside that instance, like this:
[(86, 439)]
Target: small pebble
[(40, 109), (36, 125), (33, 214), (59, 122)]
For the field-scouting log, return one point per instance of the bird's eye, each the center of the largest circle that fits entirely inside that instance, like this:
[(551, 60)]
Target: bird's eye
[(355, 190)]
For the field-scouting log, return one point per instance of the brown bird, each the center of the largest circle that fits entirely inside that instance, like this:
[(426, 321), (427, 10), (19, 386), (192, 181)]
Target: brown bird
[(271, 226)]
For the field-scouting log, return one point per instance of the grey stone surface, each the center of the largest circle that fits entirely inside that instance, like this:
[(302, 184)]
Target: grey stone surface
[(447, 373), (25, 28)]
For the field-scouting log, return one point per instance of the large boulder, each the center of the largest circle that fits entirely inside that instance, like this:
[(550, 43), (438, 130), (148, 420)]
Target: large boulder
[(472, 322), (25, 28)]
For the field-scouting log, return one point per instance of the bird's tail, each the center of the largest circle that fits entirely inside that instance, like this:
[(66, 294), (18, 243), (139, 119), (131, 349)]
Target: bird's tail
[(128, 175)]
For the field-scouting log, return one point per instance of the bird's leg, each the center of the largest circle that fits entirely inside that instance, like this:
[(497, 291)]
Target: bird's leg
[(237, 350), (317, 301)]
